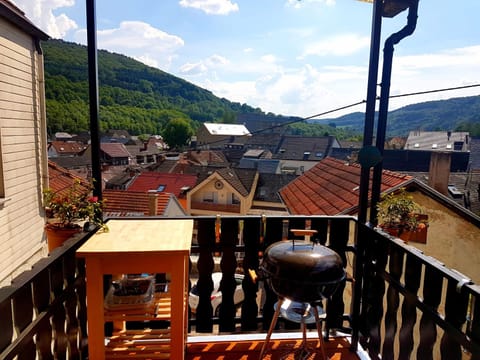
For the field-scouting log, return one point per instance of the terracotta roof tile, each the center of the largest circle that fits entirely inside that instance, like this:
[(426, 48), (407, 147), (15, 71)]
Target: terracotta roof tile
[(129, 203), (173, 183), (331, 188), (60, 180)]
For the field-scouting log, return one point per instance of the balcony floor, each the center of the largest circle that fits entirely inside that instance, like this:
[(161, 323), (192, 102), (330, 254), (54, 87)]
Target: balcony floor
[(281, 346)]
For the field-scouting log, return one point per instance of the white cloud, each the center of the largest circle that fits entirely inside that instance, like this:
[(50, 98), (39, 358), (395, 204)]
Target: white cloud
[(41, 13), (456, 57), (213, 7), (201, 68), (139, 40), (301, 3), (339, 45)]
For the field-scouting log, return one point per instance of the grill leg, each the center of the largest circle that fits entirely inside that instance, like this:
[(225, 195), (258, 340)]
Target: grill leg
[(272, 327), (319, 330)]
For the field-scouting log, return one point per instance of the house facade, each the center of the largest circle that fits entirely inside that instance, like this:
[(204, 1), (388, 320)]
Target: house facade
[(23, 143), (225, 191)]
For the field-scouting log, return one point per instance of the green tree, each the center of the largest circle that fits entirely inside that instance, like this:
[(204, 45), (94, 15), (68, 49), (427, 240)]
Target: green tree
[(177, 132)]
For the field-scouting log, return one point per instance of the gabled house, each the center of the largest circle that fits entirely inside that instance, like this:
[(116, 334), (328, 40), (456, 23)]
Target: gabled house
[(119, 203), (438, 141), (23, 143), (300, 153), (225, 191), (331, 188), (114, 154), (215, 135), (65, 149), (144, 154)]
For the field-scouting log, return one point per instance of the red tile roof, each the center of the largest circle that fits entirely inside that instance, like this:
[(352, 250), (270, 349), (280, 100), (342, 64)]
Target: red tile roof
[(115, 150), (68, 147), (331, 188), (60, 180), (173, 182), (129, 203)]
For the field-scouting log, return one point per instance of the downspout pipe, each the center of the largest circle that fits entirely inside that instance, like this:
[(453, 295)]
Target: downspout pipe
[(384, 97)]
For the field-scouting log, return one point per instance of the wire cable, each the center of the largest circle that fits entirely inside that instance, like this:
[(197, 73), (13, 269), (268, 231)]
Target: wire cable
[(352, 105)]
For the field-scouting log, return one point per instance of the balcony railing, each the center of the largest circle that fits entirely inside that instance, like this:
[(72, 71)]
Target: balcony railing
[(397, 304), (220, 208)]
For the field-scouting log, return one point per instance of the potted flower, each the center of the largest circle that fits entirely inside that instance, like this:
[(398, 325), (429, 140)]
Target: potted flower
[(69, 211), (399, 215)]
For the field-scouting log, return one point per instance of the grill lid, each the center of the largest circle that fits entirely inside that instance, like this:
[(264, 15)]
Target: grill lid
[(302, 270)]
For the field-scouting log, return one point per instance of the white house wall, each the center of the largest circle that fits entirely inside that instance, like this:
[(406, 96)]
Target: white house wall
[(23, 153)]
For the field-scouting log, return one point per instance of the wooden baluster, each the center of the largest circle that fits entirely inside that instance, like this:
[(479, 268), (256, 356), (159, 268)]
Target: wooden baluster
[(60, 344), (205, 265), (71, 304), (372, 294), (339, 236), (321, 225), (396, 268), (432, 294), (41, 302), (6, 317), (456, 314), (228, 264), (273, 233), (22, 317), (474, 328), (81, 290), (251, 238), (413, 273)]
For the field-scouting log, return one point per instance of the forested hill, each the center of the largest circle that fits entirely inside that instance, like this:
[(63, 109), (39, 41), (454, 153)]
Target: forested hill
[(132, 96), (457, 114), (142, 99)]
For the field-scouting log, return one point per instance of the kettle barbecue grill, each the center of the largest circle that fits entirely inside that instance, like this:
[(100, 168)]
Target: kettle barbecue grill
[(304, 273)]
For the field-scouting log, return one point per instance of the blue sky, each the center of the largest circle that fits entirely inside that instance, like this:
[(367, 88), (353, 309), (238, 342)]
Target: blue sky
[(287, 57)]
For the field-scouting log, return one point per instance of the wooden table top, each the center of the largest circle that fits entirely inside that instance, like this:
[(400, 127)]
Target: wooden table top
[(140, 236)]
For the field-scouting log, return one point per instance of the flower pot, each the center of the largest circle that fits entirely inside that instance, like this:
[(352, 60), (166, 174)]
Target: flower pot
[(57, 235)]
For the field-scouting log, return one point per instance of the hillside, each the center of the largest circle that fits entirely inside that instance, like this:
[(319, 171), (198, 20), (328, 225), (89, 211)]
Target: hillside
[(132, 96), (142, 99), (460, 114)]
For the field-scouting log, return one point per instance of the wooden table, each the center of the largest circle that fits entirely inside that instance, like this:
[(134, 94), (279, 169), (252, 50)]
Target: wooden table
[(138, 246)]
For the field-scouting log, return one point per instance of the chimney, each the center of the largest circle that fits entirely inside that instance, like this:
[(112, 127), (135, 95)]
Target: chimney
[(152, 202), (439, 172)]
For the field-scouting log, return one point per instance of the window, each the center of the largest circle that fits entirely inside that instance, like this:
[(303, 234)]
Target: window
[(235, 199), (161, 188), (210, 196)]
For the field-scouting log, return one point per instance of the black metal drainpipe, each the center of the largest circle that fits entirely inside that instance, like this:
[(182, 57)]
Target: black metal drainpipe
[(93, 98), (384, 95)]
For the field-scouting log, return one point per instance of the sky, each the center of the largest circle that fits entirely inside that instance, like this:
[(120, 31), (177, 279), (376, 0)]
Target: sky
[(288, 57)]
